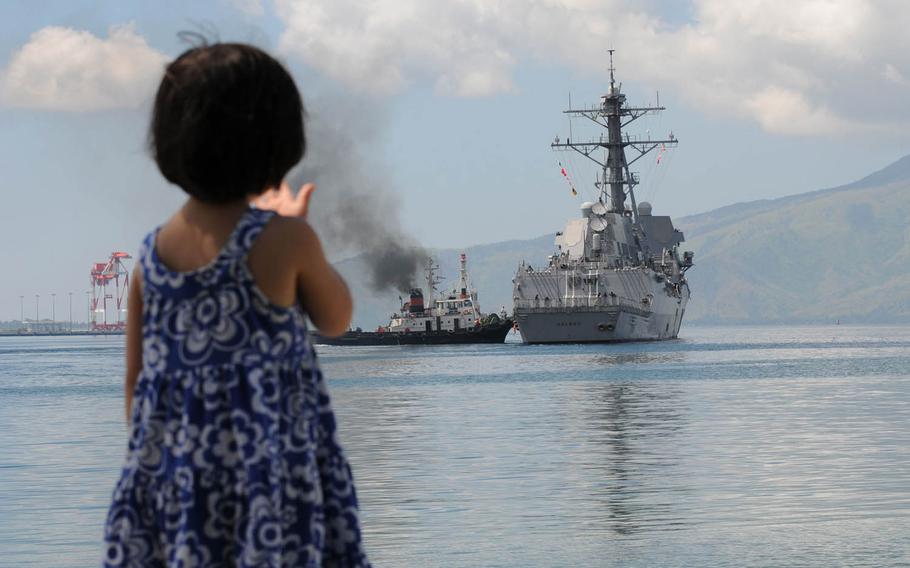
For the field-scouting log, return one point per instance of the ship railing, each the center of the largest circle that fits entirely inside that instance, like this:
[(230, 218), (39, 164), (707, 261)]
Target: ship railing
[(581, 304), (573, 309)]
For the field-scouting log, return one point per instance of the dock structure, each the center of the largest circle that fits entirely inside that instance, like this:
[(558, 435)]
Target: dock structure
[(110, 281)]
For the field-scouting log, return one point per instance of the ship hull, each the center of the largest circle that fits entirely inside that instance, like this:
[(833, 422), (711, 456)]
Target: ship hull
[(606, 318), (607, 325), (495, 333)]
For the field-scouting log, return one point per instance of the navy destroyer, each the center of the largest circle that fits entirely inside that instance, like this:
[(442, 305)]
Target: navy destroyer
[(618, 273), (426, 320)]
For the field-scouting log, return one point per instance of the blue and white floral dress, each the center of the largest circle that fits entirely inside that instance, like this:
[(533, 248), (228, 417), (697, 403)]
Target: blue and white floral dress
[(232, 459)]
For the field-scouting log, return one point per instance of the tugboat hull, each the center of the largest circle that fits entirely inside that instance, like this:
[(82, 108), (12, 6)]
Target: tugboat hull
[(493, 333)]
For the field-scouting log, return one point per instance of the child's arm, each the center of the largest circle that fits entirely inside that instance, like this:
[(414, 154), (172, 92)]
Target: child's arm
[(133, 340), (323, 293)]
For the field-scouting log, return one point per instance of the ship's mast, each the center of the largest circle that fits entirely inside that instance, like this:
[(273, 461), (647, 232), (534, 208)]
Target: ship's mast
[(431, 282), (614, 116), (463, 276), (464, 290)]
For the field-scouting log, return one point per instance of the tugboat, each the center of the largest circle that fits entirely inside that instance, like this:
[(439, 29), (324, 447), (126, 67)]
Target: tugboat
[(618, 273), (452, 319)]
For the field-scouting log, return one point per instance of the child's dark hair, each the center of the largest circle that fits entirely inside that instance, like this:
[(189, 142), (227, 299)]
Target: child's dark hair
[(227, 122)]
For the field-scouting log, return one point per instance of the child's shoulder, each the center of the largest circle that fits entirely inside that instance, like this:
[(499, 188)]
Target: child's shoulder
[(289, 242), (287, 249), (292, 234)]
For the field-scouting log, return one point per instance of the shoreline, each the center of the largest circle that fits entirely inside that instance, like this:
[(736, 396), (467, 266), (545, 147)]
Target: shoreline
[(57, 333)]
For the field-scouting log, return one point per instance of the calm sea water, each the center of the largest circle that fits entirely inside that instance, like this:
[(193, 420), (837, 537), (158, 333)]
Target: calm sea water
[(729, 447)]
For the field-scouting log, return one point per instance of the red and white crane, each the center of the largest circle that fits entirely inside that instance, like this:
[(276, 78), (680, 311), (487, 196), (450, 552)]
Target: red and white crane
[(104, 276)]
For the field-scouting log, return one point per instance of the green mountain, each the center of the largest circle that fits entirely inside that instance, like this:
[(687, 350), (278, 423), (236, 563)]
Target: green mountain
[(816, 257)]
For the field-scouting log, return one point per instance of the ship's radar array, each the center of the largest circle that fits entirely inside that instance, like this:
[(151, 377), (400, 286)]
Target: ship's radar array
[(110, 281), (618, 273), (616, 176)]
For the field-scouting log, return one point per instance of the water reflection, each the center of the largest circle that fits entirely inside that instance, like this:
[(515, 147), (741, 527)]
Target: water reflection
[(382, 437), (632, 431), (637, 358), (714, 450)]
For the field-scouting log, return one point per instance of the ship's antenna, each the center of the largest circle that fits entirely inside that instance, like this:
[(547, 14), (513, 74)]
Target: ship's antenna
[(613, 115), (612, 69)]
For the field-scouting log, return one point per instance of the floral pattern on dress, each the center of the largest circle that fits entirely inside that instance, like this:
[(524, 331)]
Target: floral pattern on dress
[(233, 458)]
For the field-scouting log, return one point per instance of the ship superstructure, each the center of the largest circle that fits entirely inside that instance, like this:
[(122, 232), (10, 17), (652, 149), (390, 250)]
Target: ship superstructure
[(457, 310), (423, 318), (618, 273)]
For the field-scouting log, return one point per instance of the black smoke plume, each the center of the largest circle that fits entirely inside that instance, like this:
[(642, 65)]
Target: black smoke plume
[(355, 210)]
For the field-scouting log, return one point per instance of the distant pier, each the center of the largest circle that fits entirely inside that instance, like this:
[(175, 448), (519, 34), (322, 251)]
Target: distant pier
[(29, 333)]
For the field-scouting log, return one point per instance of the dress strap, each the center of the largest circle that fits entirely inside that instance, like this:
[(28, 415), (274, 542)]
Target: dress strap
[(235, 250), (146, 258), (251, 223)]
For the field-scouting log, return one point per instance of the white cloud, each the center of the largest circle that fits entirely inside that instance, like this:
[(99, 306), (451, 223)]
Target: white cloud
[(893, 74), (383, 45), (249, 7), (798, 67), (788, 112), (72, 70)]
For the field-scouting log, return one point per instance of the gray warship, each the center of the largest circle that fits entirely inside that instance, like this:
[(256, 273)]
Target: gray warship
[(618, 273)]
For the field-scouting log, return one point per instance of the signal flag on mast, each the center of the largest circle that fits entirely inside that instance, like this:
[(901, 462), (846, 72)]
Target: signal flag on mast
[(565, 174)]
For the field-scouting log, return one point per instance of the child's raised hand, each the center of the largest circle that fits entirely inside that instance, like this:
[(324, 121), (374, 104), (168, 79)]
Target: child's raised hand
[(284, 202)]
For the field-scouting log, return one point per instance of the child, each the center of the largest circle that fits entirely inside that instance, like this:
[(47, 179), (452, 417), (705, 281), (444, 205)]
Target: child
[(233, 459)]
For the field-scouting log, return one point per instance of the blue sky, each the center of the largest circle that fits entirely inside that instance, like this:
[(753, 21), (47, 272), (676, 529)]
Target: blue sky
[(454, 105)]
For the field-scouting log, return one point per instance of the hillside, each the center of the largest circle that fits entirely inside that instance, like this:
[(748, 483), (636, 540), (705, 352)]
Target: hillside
[(838, 253), (833, 254)]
